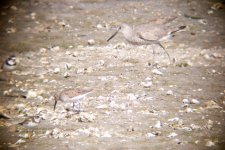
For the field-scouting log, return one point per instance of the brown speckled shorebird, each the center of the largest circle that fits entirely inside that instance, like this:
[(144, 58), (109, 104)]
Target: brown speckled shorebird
[(71, 96), (147, 34)]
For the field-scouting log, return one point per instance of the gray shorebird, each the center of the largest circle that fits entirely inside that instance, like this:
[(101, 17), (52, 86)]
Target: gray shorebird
[(71, 96), (8, 66), (31, 121), (147, 34)]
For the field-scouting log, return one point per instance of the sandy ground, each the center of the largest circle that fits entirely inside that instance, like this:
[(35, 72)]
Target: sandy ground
[(132, 105)]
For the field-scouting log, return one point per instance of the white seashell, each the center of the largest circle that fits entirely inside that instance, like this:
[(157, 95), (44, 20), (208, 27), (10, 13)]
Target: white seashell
[(169, 92), (131, 96), (185, 101), (20, 141), (194, 101), (55, 48), (186, 128), (91, 42), (56, 70), (148, 79), (158, 125), (106, 135), (43, 50), (157, 72), (177, 141), (99, 26), (149, 135), (188, 110), (89, 70), (172, 135), (103, 106), (209, 143), (66, 75), (80, 70), (146, 84), (31, 94)]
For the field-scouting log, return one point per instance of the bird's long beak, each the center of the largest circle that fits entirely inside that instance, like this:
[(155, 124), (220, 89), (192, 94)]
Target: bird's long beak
[(114, 34), (55, 104)]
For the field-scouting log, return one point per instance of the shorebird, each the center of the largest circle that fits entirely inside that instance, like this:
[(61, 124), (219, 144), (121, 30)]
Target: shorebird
[(147, 34), (71, 96), (8, 66), (31, 121)]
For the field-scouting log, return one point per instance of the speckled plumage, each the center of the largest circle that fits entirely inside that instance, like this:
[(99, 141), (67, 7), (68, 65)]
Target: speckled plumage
[(31, 122), (70, 96)]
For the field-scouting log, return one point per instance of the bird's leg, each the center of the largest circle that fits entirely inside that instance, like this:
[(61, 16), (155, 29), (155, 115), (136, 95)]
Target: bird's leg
[(158, 43), (153, 57), (164, 50)]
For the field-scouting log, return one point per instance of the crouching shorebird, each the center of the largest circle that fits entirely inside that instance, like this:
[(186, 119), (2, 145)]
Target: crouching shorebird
[(147, 34), (71, 96), (31, 121), (8, 66)]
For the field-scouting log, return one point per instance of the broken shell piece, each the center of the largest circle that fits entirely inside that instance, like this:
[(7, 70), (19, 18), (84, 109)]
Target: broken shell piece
[(131, 96), (150, 135), (188, 110), (185, 101), (158, 125), (157, 72), (43, 50), (172, 135), (147, 84), (66, 75), (56, 70), (31, 94), (99, 26), (209, 143), (86, 117)]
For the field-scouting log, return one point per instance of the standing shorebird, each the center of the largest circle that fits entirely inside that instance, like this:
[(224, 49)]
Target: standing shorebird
[(147, 35), (71, 96), (8, 66)]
